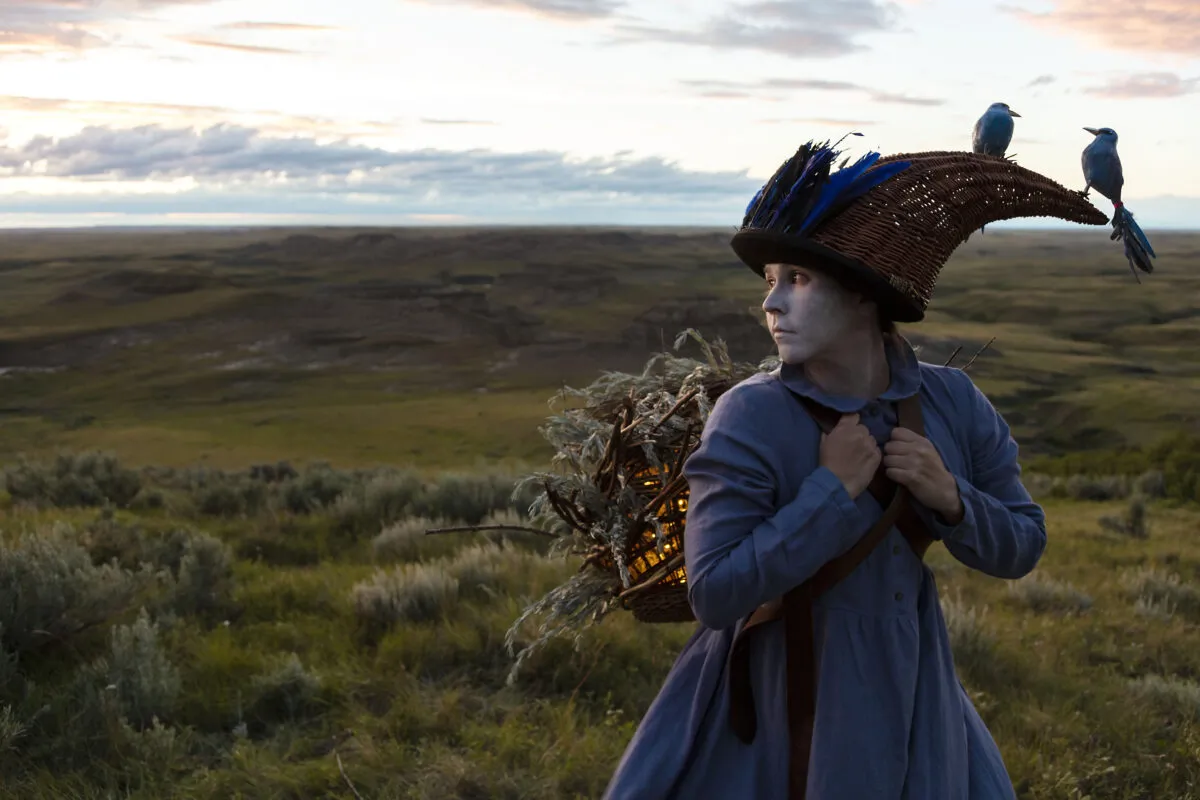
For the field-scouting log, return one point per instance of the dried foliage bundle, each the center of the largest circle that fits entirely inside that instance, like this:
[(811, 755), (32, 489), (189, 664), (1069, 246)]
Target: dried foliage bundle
[(615, 494)]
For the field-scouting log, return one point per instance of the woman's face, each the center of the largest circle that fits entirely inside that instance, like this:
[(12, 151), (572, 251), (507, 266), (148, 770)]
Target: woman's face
[(808, 312)]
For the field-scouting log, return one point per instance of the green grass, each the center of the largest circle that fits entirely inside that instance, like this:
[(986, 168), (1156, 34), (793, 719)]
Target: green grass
[(1082, 354), (1083, 673)]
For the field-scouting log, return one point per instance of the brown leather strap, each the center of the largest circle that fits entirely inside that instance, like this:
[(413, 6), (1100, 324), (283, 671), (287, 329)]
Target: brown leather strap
[(796, 609)]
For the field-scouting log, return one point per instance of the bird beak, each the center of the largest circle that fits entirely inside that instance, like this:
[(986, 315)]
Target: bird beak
[(1092, 131), (1012, 113)]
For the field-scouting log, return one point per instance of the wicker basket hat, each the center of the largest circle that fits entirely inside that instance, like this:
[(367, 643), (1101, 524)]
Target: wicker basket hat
[(886, 226)]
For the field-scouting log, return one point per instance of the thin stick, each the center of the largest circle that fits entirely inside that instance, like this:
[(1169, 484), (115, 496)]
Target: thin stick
[(460, 528), (985, 347), (346, 777), (672, 564), (608, 451), (953, 356), (631, 425), (667, 491), (678, 405), (687, 436)]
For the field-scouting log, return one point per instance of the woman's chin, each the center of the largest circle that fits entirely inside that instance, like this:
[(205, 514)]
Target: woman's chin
[(792, 354)]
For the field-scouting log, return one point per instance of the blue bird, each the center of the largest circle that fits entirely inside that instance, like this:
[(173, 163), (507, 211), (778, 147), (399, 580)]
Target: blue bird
[(994, 130), (1102, 171)]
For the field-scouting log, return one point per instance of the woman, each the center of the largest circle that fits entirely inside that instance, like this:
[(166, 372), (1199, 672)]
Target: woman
[(798, 684)]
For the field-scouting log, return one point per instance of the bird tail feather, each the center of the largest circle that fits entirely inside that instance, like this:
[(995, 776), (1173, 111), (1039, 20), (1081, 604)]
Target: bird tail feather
[(1137, 247)]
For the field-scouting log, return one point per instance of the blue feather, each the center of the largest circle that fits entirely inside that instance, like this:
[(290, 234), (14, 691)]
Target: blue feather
[(837, 185), (849, 184), (802, 193), (757, 197)]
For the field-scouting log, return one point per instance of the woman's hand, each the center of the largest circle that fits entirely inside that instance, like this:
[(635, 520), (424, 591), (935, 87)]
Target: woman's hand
[(849, 451), (912, 461)]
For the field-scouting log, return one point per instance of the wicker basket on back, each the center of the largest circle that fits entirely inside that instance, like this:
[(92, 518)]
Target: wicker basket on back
[(622, 498)]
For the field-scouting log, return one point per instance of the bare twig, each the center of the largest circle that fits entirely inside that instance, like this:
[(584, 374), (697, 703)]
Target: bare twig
[(683, 448), (670, 489), (337, 756), (985, 347), (667, 567), (953, 356), (461, 528), (678, 405)]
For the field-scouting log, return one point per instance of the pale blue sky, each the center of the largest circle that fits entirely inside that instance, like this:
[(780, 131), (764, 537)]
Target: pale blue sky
[(594, 111)]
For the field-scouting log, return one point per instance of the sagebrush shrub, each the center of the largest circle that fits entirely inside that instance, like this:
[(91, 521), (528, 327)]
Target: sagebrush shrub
[(1104, 487), (50, 589), (970, 641), (464, 498), (383, 499), (286, 693), (319, 487), (204, 577), (401, 541), (1169, 695), (482, 568), (145, 682), (1157, 592), (408, 593), (1132, 523), (1041, 593), (73, 481)]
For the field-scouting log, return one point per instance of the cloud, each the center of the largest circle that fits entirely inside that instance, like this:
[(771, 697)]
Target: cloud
[(241, 48), (429, 121), (101, 112), (776, 89), (812, 29), (34, 27), (1041, 80), (1144, 26), (234, 168), (275, 26), (1146, 85), (569, 10), (823, 121)]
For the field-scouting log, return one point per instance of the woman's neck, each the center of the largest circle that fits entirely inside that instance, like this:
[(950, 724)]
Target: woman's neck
[(856, 367)]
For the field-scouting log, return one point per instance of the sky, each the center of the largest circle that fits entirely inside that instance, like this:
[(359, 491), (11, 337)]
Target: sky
[(654, 112)]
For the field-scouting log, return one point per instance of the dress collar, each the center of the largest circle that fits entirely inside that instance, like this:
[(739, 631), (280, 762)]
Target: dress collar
[(905, 379)]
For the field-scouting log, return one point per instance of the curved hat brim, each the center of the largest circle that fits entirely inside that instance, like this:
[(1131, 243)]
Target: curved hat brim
[(757, 248)]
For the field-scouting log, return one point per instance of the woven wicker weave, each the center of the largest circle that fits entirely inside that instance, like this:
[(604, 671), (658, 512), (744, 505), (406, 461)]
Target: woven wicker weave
[(907, 228)]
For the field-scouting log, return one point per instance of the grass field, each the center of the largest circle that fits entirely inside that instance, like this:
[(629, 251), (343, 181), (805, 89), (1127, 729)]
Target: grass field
[(196, 620)]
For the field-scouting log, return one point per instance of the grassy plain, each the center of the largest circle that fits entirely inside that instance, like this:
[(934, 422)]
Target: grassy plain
[(279, 658)]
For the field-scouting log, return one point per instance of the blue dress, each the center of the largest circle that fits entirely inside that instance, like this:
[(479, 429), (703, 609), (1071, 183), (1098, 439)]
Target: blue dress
[(892, 720)]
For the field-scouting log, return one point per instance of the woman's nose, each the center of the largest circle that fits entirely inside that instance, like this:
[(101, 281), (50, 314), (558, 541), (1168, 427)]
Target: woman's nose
[(772, 303)]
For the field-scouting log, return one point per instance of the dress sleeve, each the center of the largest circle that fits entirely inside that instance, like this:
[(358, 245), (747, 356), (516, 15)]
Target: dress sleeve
[(744, 545), (1003, 531)]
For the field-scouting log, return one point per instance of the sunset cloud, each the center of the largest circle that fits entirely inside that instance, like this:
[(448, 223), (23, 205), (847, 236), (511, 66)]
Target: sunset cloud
[(556, 9), (42, 26), (1148, 26), (1146, 85), (227, 155), (778, 89), (276, 26), (813, 29), (118, 113), (240, 48)]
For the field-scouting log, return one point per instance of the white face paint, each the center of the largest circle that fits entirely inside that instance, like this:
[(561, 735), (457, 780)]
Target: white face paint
[(808, 313)]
